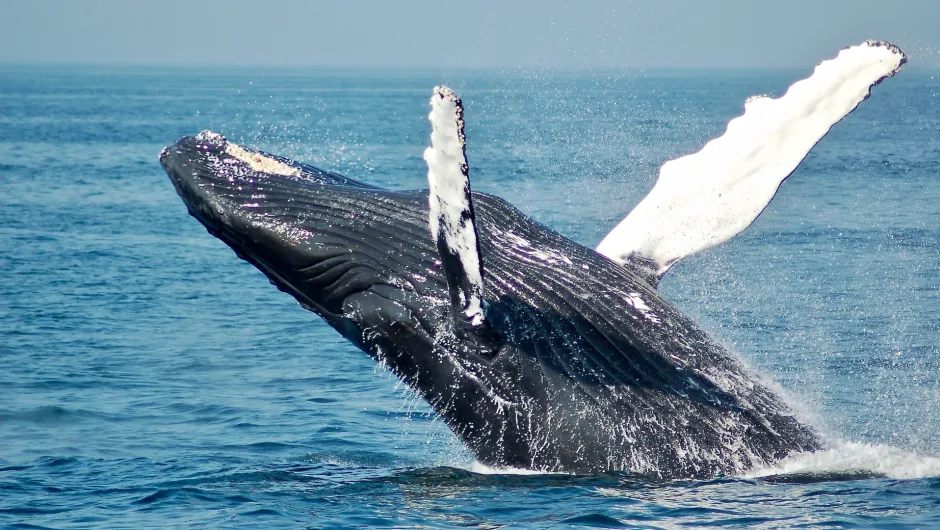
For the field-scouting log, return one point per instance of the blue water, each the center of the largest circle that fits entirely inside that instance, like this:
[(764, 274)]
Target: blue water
[(148, 378)]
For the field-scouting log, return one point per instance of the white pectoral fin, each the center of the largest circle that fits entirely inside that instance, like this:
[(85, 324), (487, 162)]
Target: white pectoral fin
[(706, 198), (451, 217)]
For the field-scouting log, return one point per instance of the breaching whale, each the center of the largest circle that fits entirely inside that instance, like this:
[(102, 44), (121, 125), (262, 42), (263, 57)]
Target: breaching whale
[(536, 351)]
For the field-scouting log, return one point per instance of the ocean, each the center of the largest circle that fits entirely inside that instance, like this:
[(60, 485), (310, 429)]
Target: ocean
[(150, 379)]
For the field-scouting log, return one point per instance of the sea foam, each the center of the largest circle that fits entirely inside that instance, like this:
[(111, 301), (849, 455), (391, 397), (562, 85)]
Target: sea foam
[(856, 457)]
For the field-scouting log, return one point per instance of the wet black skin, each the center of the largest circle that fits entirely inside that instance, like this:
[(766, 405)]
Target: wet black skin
[(574, 375)]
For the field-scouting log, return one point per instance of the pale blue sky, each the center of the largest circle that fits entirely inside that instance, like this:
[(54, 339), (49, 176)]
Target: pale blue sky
[(486, 33)]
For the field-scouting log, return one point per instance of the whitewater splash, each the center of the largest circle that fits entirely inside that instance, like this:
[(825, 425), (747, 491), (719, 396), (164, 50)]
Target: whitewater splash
[(478, 467), (856, 457), (846, 458)]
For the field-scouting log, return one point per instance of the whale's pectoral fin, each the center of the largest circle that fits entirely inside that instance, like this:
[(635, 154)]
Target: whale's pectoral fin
[(706, 198), (453, 226)]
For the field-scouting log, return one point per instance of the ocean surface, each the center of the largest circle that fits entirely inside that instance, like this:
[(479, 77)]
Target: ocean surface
[(150, 379)]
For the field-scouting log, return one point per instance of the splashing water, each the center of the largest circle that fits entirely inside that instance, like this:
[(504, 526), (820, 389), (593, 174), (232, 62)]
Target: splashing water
[(864, 459)]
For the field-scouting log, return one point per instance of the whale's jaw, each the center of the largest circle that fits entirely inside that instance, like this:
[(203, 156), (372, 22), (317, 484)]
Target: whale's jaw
[(593, 370)]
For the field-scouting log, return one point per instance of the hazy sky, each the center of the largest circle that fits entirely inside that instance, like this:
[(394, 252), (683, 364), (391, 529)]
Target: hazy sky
[(668, 33)]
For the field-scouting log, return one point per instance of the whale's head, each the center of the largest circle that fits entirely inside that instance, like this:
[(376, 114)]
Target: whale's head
[(335, 244)]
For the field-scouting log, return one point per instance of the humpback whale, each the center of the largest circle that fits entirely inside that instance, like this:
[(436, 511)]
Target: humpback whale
[(535, 350)]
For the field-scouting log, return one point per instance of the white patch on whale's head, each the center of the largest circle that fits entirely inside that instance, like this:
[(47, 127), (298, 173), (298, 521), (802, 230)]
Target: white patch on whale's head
[(255, 160), (259, 162)]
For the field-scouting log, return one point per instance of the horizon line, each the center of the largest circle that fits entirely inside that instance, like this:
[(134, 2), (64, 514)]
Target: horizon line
[(406, 67)]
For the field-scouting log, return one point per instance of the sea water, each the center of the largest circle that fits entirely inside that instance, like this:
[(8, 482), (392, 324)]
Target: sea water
[(149, 378)]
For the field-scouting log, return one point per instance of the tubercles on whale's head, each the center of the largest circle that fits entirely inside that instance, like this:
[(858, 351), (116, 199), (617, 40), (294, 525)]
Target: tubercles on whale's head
[(255, 160), (261, 163)]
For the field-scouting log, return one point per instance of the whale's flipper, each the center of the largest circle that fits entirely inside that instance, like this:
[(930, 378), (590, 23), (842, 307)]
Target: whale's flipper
[(453, 225), (706, 198)]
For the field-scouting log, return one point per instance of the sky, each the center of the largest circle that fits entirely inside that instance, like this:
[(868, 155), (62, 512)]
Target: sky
[(479, 33)]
